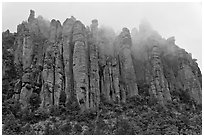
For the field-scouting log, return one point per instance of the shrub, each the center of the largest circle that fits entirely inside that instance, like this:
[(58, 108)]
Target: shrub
[(10, 106), (35, 101), (11, 125), (66, 128), (123, 127), (54, 110)]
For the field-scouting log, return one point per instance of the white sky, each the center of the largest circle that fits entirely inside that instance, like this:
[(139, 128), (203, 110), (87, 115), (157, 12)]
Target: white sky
[(182, 20)]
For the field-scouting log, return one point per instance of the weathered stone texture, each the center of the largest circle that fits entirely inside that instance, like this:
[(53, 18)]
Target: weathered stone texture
[(159, 87), (189, 80), (80, 69), (91, 65), (67, 54), (27, 52), (53, 68), (126, 63)]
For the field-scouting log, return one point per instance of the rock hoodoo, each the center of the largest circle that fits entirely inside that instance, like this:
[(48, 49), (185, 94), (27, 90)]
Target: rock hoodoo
[(76, 65)]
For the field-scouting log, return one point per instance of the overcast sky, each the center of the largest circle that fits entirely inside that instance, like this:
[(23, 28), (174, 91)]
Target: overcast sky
[(182, 20)]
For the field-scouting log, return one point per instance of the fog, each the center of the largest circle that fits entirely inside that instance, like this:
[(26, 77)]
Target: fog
[(44, 25), (182, 20)]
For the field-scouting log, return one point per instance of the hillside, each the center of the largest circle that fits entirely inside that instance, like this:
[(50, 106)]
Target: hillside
[(71, 79)]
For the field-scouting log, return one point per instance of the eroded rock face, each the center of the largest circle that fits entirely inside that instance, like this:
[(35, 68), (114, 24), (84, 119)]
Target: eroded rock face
[(27, 52), (67, 55), (164, 67), (115, 77), (108, 69), (127, 68), (55, 31), (94, 91), (90, 65), (31, 16), (158, 84), (189, 78), (53, 68), (25, 95), (33, 23), (24, 58), (80, 69)]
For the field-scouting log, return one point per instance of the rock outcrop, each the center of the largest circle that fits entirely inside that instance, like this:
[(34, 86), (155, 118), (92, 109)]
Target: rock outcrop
[(165, 67), (52, 73), (83, 66), (80, 66), (127, 69), (67, 57), (189, 78), (158, 83), (93, 71)]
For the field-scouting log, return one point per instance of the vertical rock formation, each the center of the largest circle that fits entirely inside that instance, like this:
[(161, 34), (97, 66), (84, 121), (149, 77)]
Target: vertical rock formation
[(162, 61), (27, 52), (115, 78), (158, 84), (80, 69), (189, 80), (47, 76), (33, 25), (107, 80), (31, 16), (127, 69), (29, 58), (67, 49), (108, 67), (53, 68), (92, 65), (94, 91), (24, 61)]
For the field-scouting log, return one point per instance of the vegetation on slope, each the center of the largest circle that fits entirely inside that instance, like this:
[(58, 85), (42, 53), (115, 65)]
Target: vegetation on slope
[(141, 115)]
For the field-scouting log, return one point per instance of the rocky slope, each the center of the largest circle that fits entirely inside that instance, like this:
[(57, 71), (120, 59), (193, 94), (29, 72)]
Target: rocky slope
[(82, 66)]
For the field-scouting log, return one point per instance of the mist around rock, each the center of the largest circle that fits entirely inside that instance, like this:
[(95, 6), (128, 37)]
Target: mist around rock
[(68, 78)]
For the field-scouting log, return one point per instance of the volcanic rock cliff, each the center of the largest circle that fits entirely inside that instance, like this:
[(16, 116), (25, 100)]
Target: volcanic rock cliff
[(82, 66)]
